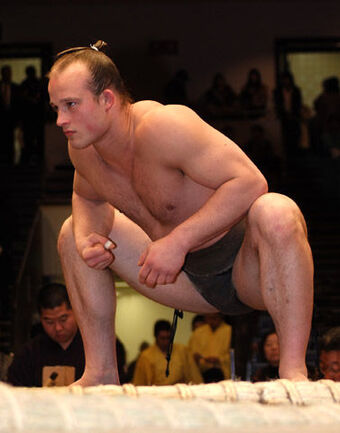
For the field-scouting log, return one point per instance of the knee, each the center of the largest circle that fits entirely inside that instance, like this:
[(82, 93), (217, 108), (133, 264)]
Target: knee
[(65, 236), (276, 218)]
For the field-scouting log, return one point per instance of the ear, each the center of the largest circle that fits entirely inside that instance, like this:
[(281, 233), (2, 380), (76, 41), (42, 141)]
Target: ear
[(108, 98)]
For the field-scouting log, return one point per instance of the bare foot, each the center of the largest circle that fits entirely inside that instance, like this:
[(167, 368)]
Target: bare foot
[(95, 379), (295, 375)]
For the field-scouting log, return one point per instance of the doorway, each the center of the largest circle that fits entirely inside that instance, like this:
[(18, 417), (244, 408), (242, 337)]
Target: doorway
[(20, 58), (310, 61)]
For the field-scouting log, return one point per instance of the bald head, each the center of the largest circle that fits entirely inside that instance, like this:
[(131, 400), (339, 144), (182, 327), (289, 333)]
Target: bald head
[(103, 73)]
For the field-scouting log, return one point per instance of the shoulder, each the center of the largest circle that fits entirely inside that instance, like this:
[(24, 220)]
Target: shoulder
[(173, 133), (202, 331), (171, 113), (224, 328), (149, 356), (225, 325), (148, 352), (172, 119)]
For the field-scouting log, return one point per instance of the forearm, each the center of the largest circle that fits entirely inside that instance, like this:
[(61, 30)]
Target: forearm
[(92, 224), (91, 216), (230, 202)]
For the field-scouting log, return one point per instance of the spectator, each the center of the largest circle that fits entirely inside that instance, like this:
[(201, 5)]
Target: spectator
[(254, 95), (260, 150), (288, 105), (121, 361), (329, 359), (175, 91), (5, 362), (269, 355), (9, 114), (131, 367), (31, 90), (7, 275), (55, 356), (197, 321), (210, 346), (330, 138), (151, 365), (327, 108), (219, 100)]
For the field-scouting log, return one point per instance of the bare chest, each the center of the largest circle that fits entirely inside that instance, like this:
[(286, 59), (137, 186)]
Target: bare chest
[(154, 197)]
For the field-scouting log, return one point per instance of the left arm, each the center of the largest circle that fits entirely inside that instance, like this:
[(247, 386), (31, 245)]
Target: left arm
[(212, 160)]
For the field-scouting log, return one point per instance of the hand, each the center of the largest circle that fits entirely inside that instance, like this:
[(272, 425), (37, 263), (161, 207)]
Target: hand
[(96, 251), (161, 262)]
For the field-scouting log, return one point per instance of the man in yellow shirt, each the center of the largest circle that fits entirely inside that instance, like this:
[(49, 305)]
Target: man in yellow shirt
[(151, 365), (210, 346)]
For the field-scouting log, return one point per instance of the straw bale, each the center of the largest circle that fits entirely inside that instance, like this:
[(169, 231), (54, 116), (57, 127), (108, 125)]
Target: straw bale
[(273, 392), (233, 407)]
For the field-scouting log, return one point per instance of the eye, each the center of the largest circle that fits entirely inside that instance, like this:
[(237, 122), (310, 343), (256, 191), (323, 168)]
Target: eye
[(71, 104), (49, 322)]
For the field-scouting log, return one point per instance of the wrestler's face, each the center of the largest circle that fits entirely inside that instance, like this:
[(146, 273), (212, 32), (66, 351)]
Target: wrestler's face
[(82, 116), (59, 324), (271, 349), (330, 364)]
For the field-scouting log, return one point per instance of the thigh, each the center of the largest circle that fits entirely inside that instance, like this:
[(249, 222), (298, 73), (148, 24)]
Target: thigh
[(131, 241), (246, 273)]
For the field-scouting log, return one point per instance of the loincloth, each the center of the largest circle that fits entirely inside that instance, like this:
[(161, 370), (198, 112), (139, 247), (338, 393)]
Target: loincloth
[(210, 269)]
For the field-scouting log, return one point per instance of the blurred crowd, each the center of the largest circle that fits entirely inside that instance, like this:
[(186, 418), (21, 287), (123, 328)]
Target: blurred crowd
[(54, 355)]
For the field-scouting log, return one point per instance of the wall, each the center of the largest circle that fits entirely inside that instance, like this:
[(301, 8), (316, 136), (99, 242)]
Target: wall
[(52, 218), (226, 36), (310, 69), (136, 316)]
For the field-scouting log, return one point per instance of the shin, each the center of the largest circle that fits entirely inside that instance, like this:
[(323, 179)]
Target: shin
[(92, 296), (286, 275)]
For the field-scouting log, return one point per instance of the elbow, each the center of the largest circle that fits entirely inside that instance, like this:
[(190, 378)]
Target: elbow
[(263, 185), (259, 186)]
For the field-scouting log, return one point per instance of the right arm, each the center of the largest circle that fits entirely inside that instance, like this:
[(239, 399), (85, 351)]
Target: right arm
[(92, 223)]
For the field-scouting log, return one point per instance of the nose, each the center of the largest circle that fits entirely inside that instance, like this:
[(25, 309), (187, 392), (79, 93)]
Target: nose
[(58, 327), (329, 375), (61, 119), (275, 349)]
